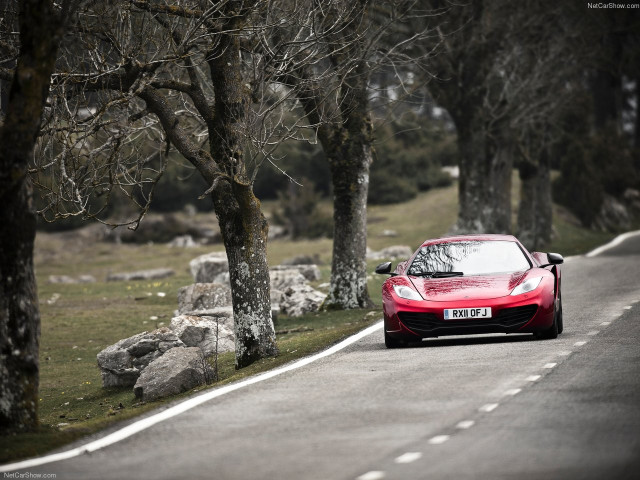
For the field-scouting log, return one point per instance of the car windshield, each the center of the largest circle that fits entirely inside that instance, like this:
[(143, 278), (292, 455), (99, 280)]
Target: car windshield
[(469, 258)]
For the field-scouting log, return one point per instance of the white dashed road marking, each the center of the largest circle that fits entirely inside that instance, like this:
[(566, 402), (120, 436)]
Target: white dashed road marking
[(489, 407), (372, 475), (408, 457), (465, 424), (534, 378), (439, 439)]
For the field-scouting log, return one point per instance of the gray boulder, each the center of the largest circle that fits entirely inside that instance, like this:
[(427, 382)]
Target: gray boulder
[(300, 299), (178, 370), (614, 215), (206, 268), (212, 334), (281, 279), (310, 272), (182, 241), (121, 363), (153, 274), (203, 296), (70, 280)]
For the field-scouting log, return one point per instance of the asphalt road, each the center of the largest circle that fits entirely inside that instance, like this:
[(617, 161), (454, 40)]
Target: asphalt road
[(484, 407)]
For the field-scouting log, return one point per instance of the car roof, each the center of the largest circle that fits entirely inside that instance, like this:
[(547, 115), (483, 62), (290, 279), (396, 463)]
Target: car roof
[(483, 237)]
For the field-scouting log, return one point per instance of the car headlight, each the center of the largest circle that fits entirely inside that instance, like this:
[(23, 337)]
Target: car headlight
[(527, 286), (406, 292)]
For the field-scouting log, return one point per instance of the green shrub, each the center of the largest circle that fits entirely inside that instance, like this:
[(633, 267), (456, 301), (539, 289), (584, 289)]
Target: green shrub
[(386, 188), (299, 212)]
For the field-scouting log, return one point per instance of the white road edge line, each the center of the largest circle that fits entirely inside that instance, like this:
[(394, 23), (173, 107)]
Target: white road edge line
[(182, 407), (613, 243)]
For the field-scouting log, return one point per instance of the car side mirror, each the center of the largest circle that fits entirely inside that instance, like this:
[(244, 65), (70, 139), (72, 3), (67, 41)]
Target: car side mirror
[(554, 259), (384, 268)]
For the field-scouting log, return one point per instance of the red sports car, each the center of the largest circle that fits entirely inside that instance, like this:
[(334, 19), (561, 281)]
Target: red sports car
[(471, 284)]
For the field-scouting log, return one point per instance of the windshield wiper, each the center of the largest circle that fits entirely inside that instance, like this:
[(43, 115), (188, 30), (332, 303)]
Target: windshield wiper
[(438, 274)]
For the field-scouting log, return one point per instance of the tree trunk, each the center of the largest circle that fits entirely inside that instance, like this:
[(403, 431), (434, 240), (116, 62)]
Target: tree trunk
[(19, 316), (242, 224), (527, 217), (244, 231), (349, 157), (471, 143), (484, 189), (544, 210), (350, 177), (497, 186), (535, 207)]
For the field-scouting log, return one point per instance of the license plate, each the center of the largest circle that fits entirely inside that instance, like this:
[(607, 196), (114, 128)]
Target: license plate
[(466, 313)]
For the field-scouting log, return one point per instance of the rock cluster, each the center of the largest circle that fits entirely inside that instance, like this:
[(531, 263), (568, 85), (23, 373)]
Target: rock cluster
[(291, 293), (173, 359), (616, 214), (124, 364)]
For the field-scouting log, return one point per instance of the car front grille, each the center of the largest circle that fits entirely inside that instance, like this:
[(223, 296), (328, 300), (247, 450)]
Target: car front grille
[(516, 316), (508, 319)]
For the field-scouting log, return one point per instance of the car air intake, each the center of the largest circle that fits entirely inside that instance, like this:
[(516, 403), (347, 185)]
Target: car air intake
[(508, 319)]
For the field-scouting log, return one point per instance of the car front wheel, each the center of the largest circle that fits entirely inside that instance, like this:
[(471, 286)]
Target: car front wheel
[(551, 332), (559, 318), (391, 342)]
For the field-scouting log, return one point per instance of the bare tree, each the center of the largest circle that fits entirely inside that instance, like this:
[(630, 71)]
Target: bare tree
[(203, 79), (359, 39), (500, 73), (40, 24)]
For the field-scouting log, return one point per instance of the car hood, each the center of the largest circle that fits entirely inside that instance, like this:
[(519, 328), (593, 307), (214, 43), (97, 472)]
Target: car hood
[(467, 288)]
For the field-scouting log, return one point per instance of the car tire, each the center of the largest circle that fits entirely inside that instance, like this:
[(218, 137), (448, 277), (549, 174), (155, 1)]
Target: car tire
[(391, 342), (551, 332), (559, 318)]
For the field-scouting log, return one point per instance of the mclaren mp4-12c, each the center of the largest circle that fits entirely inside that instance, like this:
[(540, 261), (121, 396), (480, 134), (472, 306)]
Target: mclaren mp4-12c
[(471, 284)]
